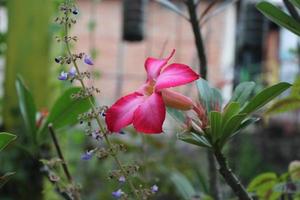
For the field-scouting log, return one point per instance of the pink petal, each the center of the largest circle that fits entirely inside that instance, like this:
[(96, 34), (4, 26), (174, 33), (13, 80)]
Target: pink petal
[(150, 115), (153, 66), (120, 114), (174, 75)]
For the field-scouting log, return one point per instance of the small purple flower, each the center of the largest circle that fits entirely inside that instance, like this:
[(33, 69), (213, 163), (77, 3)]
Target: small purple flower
[(117, 194), (88, 60), (87, 155), (154, 189), (63, 76), (72, 72), (122, 179)]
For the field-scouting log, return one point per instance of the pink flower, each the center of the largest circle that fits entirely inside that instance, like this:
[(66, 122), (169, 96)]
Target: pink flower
[(145, 108)]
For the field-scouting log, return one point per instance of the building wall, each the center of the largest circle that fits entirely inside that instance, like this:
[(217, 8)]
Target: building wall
[(165, 31)]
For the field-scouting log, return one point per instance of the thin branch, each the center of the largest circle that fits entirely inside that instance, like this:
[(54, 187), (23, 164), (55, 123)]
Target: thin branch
[(192, 9), (207, 9), (60, 155), (219, 10)]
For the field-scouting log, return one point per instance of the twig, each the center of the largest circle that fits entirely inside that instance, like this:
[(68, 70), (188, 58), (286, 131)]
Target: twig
[(192, 9), (230, 178), (64, 164), (60, 155), (207, 9)]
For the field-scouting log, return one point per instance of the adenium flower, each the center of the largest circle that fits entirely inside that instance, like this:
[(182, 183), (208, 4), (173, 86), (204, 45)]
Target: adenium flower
[(145, 108)]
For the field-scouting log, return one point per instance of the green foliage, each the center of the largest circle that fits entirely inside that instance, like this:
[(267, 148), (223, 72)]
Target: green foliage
[(265, 96), (295, 3), (279, 17), (222, 125), (286, 104), (27, 108), (210, 98), (269, 186), (65, 111), (177, 115), (183, 186), (28, 46), (243, 92), (5, 178), (5, 139)]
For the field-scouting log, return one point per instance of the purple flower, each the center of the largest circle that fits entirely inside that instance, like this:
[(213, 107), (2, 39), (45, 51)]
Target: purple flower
[(154, 189), (72, 72), (88, 60), (63, 76), (87, 155), (117, 194), (122, 179)]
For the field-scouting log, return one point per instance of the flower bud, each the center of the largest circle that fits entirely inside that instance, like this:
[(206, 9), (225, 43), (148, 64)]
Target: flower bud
[(176, 100)]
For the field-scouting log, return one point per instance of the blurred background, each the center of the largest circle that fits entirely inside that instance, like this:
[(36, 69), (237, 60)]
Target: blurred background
[(240, 43)]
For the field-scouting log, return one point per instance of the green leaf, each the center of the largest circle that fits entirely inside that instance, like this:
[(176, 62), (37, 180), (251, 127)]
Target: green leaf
[(65, 110), (284, 105), (183, 186), (295, 89), (215, 119), (245, 124), (265, 96), (176, 114), (194, 139), (209, 97), (27, 108), (5, 178), (5, 139), (262, 179), (232, 126), (243, 92), (204, 92), (231, 109), (296, 3), (279, 17)]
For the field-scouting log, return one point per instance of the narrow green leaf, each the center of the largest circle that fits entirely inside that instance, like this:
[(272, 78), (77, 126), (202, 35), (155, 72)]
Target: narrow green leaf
[(204, 92), (5, 178), (265, 96), (231, 126), (209, 97), (244, 124), (295, 89), (27, 108), (65, 110), (183, 186), (5, 139), (296, 3), (284, 105), (215, 119), (216, 99), (231, 109), (194, 139), (261, 179), (279, 17), (176, 114), (243, 92)]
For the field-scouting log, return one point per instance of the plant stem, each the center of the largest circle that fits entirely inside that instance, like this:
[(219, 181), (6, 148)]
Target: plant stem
[(93, 107), (64, 164), (230, 178), (192, 9)]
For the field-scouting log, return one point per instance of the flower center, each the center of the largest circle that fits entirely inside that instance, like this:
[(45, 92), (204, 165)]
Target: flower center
[(150, 87)]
